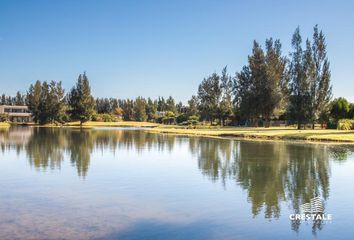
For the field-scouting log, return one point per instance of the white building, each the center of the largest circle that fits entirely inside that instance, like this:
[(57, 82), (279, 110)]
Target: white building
[(16, 113)]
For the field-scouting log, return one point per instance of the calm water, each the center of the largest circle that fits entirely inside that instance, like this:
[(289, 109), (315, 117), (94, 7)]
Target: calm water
[(127, 184)]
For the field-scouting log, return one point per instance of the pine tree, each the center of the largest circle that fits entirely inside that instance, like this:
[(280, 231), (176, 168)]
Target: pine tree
[(209, 95), (299, 84), (34, 99), (226, 106), (161, 104), (56, 102), (151, 110), (128, 109), (192, 106), (320, 87), (81, 101), (3, 99), (19, 99), (44, 104), (140, 109), (171, 105)]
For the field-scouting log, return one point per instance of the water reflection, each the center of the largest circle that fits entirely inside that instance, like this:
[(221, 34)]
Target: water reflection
[(45, 147), (271, 173)]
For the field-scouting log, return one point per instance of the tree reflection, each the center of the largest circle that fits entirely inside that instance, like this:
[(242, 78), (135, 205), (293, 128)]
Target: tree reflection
[(80, 144), (272, 173), (46, 147)]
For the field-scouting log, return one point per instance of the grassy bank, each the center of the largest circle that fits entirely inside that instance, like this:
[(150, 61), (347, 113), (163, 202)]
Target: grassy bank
[(276, 133), (4, 125), (264, 133), (91, 124)]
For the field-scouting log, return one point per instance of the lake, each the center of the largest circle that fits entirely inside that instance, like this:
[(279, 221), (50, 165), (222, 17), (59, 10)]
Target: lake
[(130, 184)]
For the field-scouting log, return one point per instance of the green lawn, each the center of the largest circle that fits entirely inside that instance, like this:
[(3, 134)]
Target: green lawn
[(265, 133)]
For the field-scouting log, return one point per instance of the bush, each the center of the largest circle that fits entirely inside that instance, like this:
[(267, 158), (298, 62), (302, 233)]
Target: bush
[(104, 118), (181, 118), (169, 118), (4, 118), (193, 121), (346, 124)]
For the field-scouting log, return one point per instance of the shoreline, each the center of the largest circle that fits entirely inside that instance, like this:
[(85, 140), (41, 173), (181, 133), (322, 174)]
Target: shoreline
[(245, 133), (312, 136), (4, 125)]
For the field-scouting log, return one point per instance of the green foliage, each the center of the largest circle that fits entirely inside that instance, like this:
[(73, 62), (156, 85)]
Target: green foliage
[(310, 87), (345, 124), (170, 105), (351, 111), (46, 102), (151, 110), (169, 118), (193, 106), (261, 85), (209, 95), (128, 109), (340, 108), (181, 118), (193, 121), (4, 118), (140, 109), (103, 117), (81, 102)]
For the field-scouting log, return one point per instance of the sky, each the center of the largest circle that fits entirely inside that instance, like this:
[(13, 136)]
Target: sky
[(153, 48)]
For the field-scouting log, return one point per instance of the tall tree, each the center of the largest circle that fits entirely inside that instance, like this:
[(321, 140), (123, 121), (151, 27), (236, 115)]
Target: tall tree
[(226, 105), (151, 109), (128, 109), (44, 104), (81, 101), (276, 80), (209, 95), (140, 109), (161, 104), (243, 92), (56, 101), (310, 87), (171, 105), (260, 87), (320, 87), (299, 84), (19, 99), (3, 99), (34, 99), (193, 106)]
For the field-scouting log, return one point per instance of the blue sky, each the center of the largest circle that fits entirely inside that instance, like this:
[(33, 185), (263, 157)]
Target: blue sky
[(149, 48)]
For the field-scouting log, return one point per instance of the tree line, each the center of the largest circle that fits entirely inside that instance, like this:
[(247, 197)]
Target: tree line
[(271, 86)]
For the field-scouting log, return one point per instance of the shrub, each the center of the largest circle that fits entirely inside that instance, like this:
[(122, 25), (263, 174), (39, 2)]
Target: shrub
[(4, 118), (169, 118), (193, 121), (346, 124), (181, 118), (104, 118)]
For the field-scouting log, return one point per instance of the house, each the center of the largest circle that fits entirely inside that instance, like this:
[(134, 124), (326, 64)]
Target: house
[(16, 113)]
